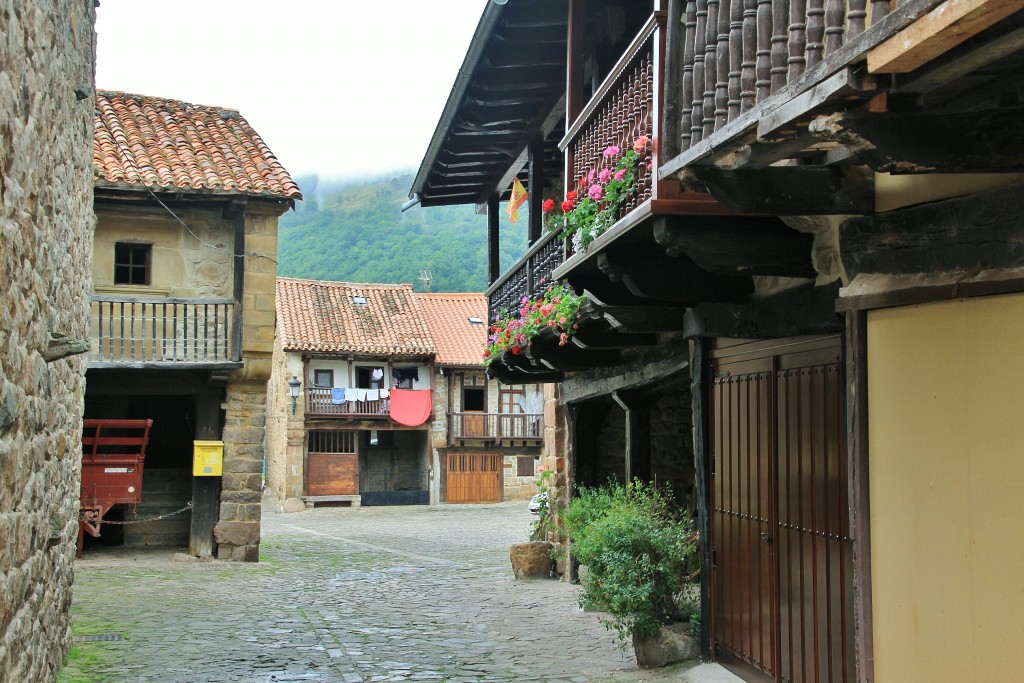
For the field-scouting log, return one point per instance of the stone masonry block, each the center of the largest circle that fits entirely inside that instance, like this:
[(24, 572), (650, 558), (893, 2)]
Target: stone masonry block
[(237, 533)]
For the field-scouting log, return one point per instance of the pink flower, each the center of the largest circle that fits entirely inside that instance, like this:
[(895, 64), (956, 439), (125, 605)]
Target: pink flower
[(523, 300), (562, 320), (551, 323), (524, 311), (590, 176), (620, 174), (611, 151), (650, 165), (595, 192), (641, 144), (605, 175)]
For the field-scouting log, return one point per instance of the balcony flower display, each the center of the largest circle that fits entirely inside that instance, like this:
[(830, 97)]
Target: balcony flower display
[(558, 309), (594, 207)]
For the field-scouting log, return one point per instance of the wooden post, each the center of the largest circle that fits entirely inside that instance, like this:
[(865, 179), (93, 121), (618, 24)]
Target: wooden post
[(857, 481), (205, 490), (493, 260), (535, 179), (238, 219), (638, 436), (699, 390), (574, 100)]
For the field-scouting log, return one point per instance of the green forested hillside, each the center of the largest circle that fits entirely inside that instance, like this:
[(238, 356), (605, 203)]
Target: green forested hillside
[(356, 232)]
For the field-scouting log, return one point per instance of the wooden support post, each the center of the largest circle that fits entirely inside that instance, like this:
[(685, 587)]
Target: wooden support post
[(535, 180), (638, 436), (493, 260), (238, 221), (205, 490), (574, 101), (700, 392), (857, 481)]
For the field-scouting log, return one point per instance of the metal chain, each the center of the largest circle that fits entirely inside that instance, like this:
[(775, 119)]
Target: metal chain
[(188, 506)]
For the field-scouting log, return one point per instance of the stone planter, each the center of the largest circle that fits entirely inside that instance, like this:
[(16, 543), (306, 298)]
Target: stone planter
[(671, 644), (532, 560)]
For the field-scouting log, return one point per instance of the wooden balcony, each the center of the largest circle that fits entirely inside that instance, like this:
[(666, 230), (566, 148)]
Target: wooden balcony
[(155, 332), (319, 403), (497, 427)]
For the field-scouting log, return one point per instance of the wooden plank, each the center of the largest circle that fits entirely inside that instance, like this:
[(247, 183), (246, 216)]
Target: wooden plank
[(205, 490), (933, 34), (699, 389)]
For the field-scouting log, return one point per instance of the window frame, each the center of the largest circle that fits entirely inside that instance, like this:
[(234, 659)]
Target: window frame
[(133, 249)]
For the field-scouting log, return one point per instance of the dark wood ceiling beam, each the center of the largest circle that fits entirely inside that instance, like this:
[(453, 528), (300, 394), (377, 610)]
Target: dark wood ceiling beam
[(594, 338), (975, 142), (738, 245), (788, 190), (803, 310), (678, 279), (984, 231)]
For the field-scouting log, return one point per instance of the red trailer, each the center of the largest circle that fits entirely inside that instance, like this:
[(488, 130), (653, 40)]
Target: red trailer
[(113, 452)]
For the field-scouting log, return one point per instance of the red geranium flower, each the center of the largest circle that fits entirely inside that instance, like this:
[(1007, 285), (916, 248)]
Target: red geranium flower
[(570, 195), (566, 206), (516, 350), (549, 205)]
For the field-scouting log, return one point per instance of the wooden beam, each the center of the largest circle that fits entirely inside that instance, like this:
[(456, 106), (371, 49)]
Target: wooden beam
[(970, 142), (638, 435), (205, 490), (982, 231), (790, 190), (941, 29), (961, 62), (652, 319), (493, 241), (700, 391), (738, 245), (678, 279), (535, 184), (799, 311)]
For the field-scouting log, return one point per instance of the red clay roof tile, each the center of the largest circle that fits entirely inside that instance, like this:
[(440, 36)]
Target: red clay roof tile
[(164, 144), (459, 341), (322, 316)]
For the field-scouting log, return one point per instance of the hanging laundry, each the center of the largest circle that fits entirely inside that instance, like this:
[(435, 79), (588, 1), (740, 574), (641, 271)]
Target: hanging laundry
[(377, 374), (384, 393), (338, 396), (401, 374), (373, 394), (350, 395)]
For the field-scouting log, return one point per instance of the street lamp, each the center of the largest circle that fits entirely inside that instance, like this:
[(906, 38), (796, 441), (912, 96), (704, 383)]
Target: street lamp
[(293, 389)]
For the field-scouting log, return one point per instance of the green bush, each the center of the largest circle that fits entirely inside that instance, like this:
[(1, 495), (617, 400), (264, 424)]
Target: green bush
[(636, 546)]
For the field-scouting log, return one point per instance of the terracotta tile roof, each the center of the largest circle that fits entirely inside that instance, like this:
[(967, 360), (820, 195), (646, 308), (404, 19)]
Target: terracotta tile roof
[(459, 341), (166, 144), (321, 316)]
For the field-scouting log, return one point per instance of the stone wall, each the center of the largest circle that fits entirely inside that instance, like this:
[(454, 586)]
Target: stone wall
[(46, 109)]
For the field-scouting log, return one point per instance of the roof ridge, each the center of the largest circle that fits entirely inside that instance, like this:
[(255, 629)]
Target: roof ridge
[(139, 96)]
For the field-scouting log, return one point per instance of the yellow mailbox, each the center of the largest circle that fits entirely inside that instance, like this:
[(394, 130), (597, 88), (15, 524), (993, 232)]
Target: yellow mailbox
[(207, 458)]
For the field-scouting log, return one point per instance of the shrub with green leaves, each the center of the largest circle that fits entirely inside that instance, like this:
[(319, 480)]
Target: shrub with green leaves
[(636, 546)]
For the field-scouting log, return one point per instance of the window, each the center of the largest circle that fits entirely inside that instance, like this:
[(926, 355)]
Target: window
[(132, 263), (473, 399), (476, 321), (525, 466), (361, 300), (510, 398), (370, 378), (323, 378)]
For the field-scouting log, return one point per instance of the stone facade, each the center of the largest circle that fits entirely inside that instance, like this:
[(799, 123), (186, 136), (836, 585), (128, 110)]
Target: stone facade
[(46, 108)]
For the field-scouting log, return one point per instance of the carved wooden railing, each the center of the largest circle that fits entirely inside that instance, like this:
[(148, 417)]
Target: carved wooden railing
[(527, 277), (320, 401), (162, 331), (737, 53), (494, 426), (624, 108)]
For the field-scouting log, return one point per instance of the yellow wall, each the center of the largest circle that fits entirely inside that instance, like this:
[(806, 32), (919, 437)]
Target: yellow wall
[(946, 402)]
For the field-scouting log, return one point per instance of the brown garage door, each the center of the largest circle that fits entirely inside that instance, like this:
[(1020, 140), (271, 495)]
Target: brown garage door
[(474, 478), (781, 563), (332, 464)]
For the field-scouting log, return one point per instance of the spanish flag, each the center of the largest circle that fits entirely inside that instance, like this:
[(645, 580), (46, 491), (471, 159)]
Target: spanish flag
[(518, 198)]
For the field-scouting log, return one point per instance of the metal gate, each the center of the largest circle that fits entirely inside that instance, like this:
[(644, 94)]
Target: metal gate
[(474, 478), (781, 552)]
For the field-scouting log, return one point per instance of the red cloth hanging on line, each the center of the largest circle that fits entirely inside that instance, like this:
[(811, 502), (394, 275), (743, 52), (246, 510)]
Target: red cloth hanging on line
[(410, 407)]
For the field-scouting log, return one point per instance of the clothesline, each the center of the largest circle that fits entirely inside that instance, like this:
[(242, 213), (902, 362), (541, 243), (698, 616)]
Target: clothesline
[(341, 395)]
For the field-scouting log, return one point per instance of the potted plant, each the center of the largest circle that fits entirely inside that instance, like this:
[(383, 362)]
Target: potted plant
[(636, 546)]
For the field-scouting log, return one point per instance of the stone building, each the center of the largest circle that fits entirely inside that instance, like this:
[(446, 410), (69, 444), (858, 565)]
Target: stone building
[(348, 350), (815, 281), (187, 199), (46, 101), (486, 435)]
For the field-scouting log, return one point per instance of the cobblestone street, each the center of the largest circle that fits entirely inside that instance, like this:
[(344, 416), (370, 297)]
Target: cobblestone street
[(370, 594)]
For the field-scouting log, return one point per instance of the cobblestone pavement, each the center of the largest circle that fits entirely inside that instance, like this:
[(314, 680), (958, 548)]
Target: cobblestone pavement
[(347, 595)]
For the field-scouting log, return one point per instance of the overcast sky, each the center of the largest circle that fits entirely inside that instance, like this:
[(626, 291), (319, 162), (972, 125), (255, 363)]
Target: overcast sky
[(339, 87)]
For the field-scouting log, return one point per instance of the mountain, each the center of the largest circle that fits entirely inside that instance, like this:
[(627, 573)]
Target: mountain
[(355, 231)]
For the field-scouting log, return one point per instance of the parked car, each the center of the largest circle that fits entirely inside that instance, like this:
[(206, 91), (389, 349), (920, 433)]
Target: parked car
[(538, 501)]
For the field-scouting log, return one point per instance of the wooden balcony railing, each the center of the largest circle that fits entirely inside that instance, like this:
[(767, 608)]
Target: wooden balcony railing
[(625, 107), (319, 402), (527, 276), (737, 53), (162, 331), (495, 426)]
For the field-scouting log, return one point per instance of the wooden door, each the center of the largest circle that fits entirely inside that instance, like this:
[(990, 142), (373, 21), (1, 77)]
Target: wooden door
[(781, 563), (332, 464), (474, 478)]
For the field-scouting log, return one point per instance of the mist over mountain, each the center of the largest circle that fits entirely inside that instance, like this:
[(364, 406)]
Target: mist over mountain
[(355, 231)]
